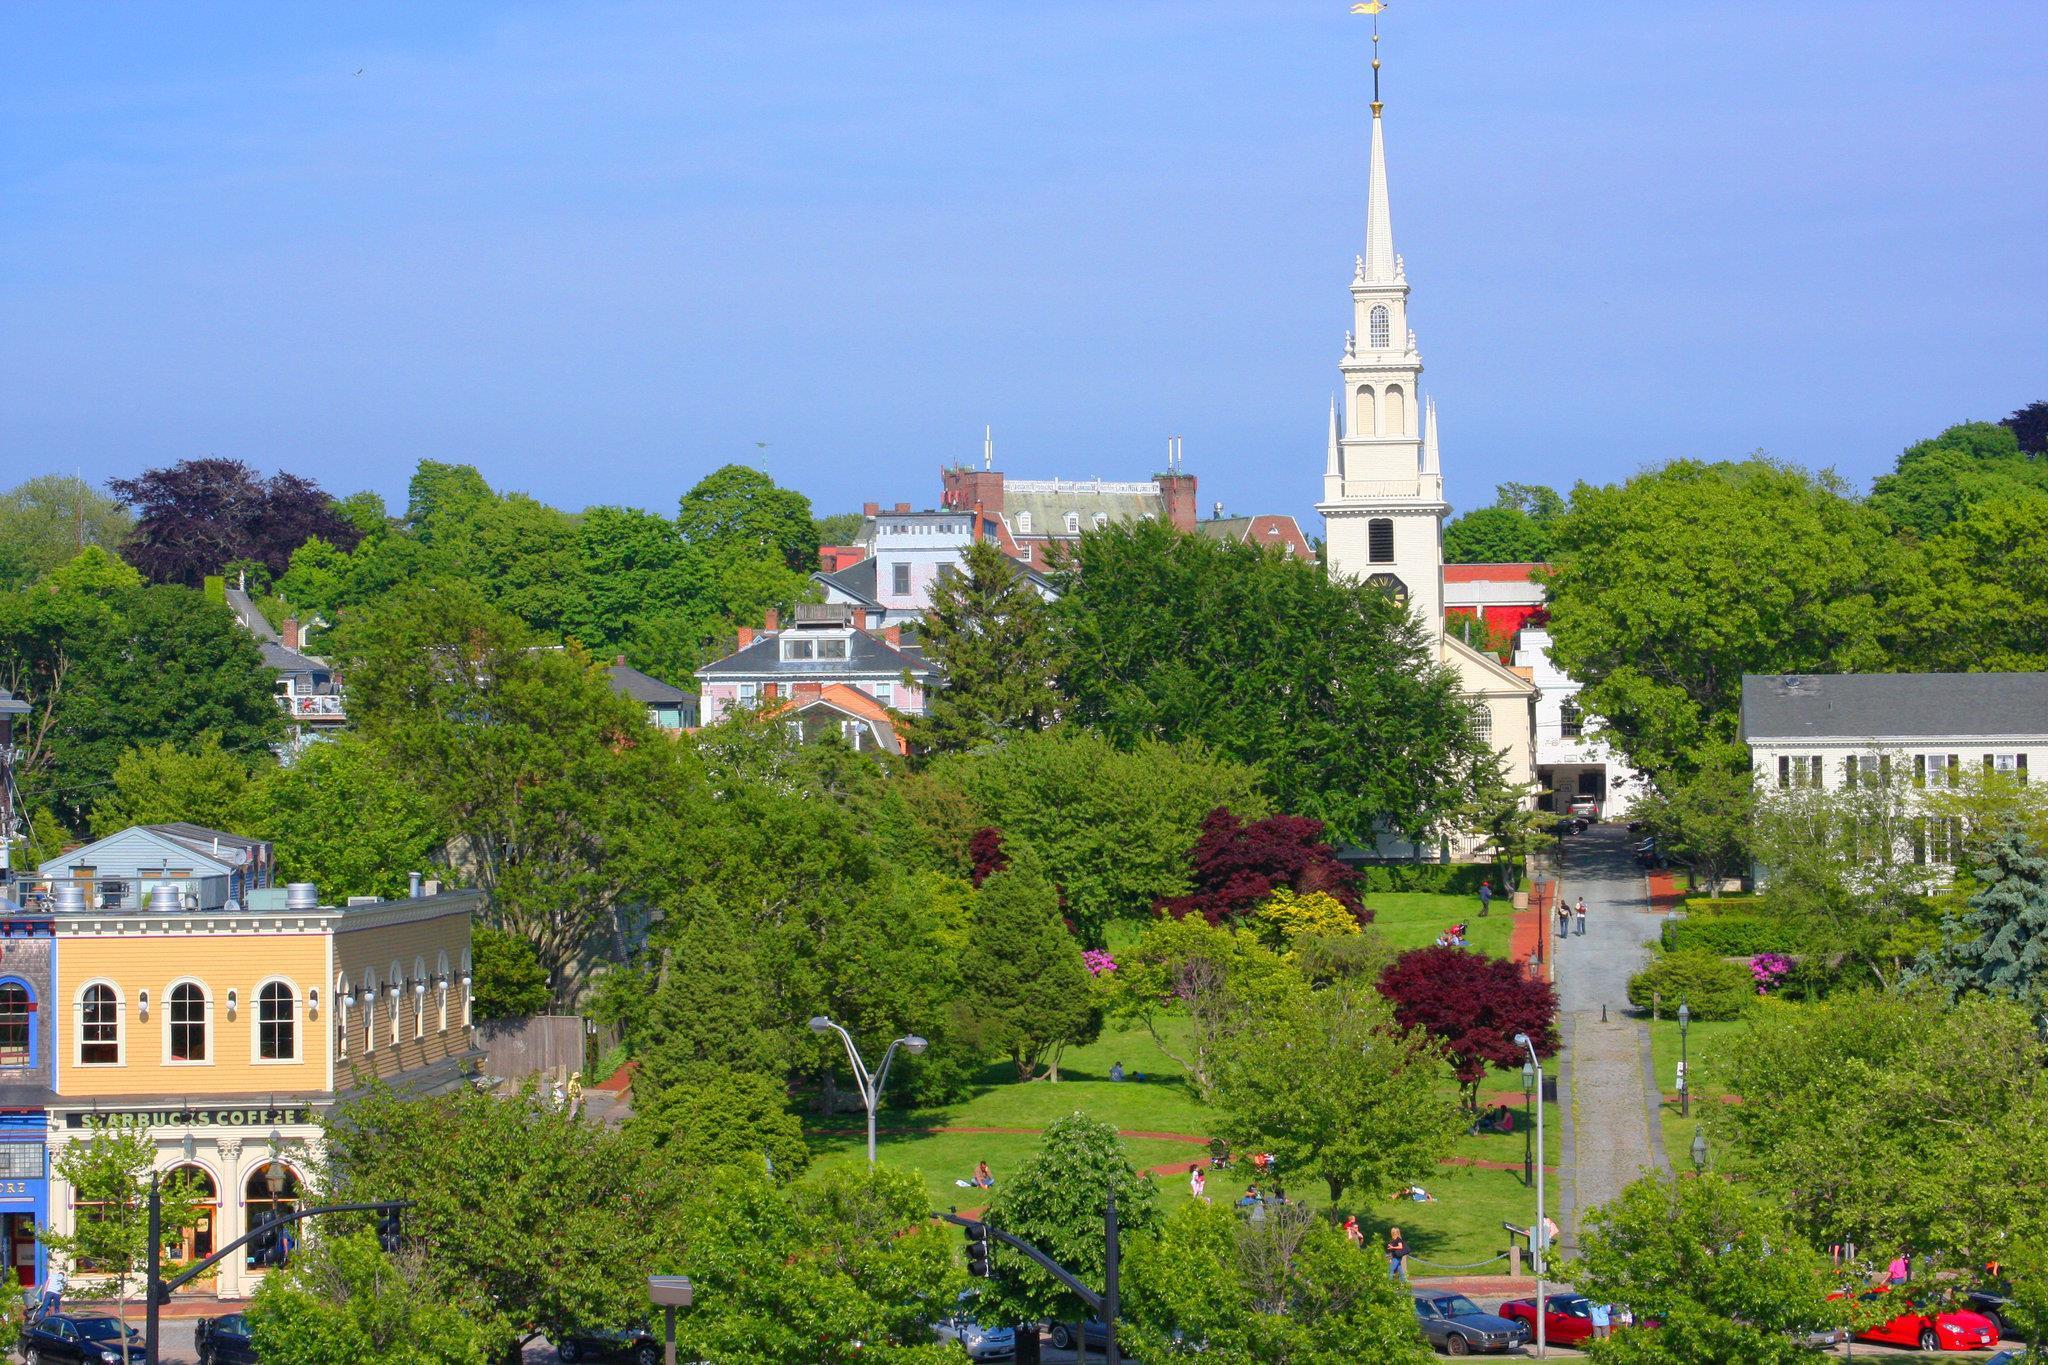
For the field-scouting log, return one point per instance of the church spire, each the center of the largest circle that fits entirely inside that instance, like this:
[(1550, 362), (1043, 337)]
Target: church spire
[(1380, 264), (1430, 463), (1333, 466)]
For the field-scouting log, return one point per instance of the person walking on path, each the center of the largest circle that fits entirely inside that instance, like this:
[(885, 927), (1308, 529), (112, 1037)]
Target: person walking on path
[(1564, 916), (1579, 913), (1397, 1254), (1198, 1184), (53, 1292), (1485, 898)]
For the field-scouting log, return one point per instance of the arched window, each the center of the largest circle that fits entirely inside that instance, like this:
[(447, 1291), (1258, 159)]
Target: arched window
[(468, 990), (1023, 523), (260, 1205), (1379, 331), (1482, 722), (441, 986), (196, 1242), (1396, 415), (99, 1026), (1365, 415), (1379, 540), (395, 988), (343, 996), (187, 1022), (1073, 523), (277, 1023), (15, 1011), (367, 998), (419, 997)]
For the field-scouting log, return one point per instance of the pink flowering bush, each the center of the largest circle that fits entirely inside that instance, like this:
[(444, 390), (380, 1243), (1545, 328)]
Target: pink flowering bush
[(1097, 961), (1768, 969)]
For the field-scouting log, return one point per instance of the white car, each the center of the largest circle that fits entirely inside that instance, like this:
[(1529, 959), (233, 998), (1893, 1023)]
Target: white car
[(980, 1342)]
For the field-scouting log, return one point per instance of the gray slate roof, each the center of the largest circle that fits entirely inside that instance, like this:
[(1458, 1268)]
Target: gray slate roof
[(628, 681), (282, 660), (866, 657), (856, 580), (1893, 705)]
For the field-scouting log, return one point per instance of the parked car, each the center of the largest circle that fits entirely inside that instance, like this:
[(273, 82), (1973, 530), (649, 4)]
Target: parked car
[(62, 1338), (1457, 1326), (1568, 824), (1567, 1318), (1094, 1333), (225, 1340), (635, 1345), (1931, 1329), (979, 1341), (1585, 809), (1993, 1303)]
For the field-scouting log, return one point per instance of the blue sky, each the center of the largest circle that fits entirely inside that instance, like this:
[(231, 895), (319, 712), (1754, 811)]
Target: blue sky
[(598, 250)]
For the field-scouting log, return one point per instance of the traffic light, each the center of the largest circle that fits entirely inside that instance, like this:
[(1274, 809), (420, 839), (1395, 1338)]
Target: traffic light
[(978, 1262), (389, 1234), (267, 1249)]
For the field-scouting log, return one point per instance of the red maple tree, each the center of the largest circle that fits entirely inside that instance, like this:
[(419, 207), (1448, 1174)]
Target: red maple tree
[(985, 851), (1474, 1005), (1238, 863)]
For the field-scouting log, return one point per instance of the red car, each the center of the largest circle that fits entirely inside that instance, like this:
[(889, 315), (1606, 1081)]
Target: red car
[(1944, 1329), (1567, 1318)]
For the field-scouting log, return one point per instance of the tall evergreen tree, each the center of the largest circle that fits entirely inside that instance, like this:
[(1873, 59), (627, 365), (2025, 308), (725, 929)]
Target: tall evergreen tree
[(1023, 970), (990, 632), (2000, 947)]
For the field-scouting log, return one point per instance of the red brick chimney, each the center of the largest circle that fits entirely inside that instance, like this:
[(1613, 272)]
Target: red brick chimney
[(869, 509), (966, 487), (772, 621), (1179, 492), (860, 618), (892, 636), (290, 631), (746, 634), (903, 507), (770, 691)]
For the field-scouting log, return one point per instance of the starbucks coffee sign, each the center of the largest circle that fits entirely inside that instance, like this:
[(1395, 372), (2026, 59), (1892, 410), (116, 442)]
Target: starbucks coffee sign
[(190, 1118)]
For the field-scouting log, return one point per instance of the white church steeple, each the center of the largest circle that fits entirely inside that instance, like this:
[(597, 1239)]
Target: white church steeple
[(1383, 501)]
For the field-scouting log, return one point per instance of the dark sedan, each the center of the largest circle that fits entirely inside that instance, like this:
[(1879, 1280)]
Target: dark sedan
[(1992, 1302), (225, 1341), (61, 1338), (1457, 1326), (634, 1345)]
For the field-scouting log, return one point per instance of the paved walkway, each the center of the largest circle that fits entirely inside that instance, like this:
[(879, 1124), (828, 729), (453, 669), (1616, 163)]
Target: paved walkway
[(1608, 1138)]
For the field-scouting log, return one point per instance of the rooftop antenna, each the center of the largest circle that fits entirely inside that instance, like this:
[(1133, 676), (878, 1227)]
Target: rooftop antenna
[(988, 447)]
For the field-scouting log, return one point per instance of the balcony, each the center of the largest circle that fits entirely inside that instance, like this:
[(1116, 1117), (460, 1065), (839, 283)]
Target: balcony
[(314, 708)]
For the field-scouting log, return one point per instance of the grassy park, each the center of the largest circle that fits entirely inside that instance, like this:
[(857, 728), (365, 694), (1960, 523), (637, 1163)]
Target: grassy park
[(1462, 1225)]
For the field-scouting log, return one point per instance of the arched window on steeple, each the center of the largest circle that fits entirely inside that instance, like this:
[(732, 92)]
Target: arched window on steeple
[(1379, 540), (1366, 420), (1396, 414), (1378, 333)]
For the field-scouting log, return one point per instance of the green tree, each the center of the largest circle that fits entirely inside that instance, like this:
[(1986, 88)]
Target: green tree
[(1701, 819), (1981, 602), (47, 520), (991, 634), (530, 1218), (1335, 694), (1335, 1089), (646, 591), (342, 816), (1939, 483), (1211, 977), (109, 1174), (839, 528), (344, 1302), (523, 754), (1056, 1201), (1864, 1115), (847, 1267), (1286, 1290), (1715, 1265), (1111, 828), (704, 1114), (1667, 589), (2000, 946), (509, 982), (200, 783), (1024, 974), (1495, 535), (442, 497), (737, 511), (366, 512), (1502, 815)]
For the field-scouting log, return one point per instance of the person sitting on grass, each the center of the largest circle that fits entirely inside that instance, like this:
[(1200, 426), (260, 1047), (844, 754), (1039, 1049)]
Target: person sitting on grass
[(1116, 1071), (981, 1180), (1417, 1194)]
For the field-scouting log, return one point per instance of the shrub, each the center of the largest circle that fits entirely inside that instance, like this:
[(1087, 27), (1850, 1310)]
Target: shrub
[(1443, 878), (1728, 935), (1701, 906), (1713, 986)]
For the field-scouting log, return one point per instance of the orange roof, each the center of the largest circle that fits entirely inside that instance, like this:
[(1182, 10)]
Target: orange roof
[(843, 697), (1491, 573)]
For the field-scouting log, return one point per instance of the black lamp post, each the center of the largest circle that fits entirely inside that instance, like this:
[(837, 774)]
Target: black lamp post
[(1684, 1071), (1528, 1130)]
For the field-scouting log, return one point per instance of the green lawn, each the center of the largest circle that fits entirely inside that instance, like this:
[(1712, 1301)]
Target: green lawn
[(1708, 1048), (1413, 919), (1462, 1225)]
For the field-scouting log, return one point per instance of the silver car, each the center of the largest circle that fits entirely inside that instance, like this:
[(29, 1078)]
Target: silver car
[(980, 1342), (1458, 1327)]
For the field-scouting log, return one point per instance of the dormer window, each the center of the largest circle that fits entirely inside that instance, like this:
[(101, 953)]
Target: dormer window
[(797, 649), (1073, 523), (1101, 520), (1023, 523)]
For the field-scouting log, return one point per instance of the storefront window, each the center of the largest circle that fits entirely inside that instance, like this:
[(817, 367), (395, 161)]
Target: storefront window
[(188, 1023), (186, 1245), (262, 1205), (14, 1010)]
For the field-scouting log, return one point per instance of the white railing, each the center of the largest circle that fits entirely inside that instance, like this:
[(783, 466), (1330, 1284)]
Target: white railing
[(314, 706)]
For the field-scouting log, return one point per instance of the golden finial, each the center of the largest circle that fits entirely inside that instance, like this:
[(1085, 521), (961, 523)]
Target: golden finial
[(1375, 8)]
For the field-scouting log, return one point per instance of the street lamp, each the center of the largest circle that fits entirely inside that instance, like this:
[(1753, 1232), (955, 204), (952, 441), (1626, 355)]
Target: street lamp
[(1528, 1160), (1699, 1152), (870, 1083), (1684, 1071), (1533, 1071), (669, 1293)]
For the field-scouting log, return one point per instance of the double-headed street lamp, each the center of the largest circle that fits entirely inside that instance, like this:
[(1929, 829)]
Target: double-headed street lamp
[(1538, 1237), (870, 1083), (1684, 1071)]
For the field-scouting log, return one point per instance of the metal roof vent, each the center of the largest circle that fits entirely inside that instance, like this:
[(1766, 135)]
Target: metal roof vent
[(302, 896), (70, 899), (165, 898)]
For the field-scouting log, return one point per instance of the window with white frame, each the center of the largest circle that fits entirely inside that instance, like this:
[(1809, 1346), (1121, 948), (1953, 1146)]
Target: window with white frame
[(899, 579), (1073, 523), (441, 986), (277, 1022), (2013, 766), (797, 649), (1023, 523), (419, 997), (99, 1025), (1378, 329), (834, 648), (185, 1017), (749, 693), (885, 693)]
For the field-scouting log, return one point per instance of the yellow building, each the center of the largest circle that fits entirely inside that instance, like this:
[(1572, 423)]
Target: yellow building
[(226, 1025)]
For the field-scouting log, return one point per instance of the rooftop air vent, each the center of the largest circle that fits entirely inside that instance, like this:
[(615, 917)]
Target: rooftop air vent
[(70, 900), (302, 896), (166, 899)]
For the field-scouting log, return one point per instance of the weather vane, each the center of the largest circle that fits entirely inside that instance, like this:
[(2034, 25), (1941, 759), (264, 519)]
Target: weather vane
[(1375, 8)]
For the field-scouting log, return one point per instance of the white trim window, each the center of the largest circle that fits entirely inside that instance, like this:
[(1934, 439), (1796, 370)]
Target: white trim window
[(419, 997), (395, 988), (441, 985), (101, 1037), (277, 1021), (188, 1024), (344, 997)]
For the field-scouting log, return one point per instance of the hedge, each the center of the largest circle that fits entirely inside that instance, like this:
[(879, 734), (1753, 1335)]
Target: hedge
[(1729, 935), (1726, 905), (1443, 878), (1712, 986)]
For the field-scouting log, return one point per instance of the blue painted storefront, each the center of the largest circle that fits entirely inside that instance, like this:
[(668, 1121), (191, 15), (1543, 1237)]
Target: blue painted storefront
[(24, 1193)]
